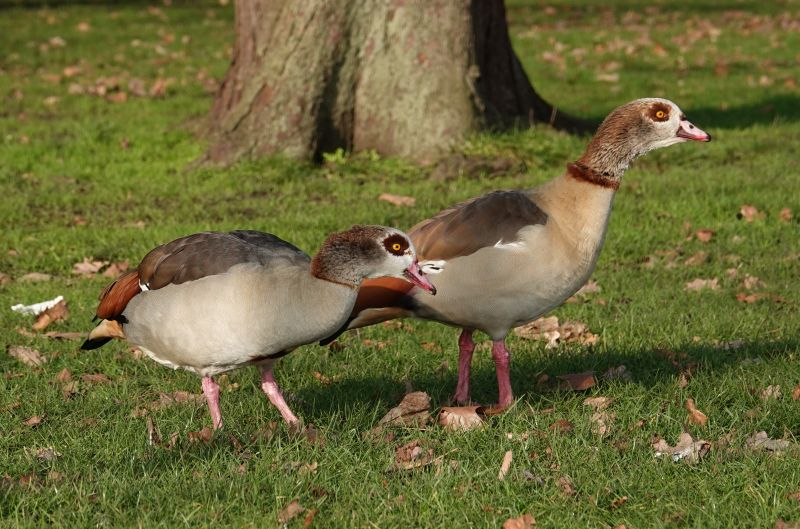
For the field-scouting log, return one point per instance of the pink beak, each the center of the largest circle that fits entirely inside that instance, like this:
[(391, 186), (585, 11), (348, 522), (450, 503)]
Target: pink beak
[(690, 132), (415, 275)]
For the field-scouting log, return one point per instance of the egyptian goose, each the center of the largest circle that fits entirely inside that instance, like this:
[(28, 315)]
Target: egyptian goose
[(505, 258), (212, 302)]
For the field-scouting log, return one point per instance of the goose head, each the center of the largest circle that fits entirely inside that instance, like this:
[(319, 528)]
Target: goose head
[(368, 252), (636, 128)]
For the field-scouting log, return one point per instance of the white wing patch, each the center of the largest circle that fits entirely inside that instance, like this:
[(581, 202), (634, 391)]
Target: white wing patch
[(432, 267), (143, 287), (513, 245)]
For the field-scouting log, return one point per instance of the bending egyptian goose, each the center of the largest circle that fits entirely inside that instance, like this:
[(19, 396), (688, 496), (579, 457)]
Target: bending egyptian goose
[(212, 302), (505, 258)]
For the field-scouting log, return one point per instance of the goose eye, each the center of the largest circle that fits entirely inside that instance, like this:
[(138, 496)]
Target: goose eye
[(660, 114), (396, 247)]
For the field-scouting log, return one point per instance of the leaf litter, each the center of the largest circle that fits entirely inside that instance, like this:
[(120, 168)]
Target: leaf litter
[(553, 333), (687, 449)]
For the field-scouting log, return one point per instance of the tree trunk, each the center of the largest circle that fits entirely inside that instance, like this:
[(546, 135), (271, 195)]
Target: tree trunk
[(403, 78)]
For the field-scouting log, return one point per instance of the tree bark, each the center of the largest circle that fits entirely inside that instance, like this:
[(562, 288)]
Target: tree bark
[(405, 78)]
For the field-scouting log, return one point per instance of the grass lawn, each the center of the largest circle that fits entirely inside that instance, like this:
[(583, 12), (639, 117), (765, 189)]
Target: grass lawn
[(86, 172)]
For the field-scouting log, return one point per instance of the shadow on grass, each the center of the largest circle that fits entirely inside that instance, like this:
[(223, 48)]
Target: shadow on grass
[(648, 368)]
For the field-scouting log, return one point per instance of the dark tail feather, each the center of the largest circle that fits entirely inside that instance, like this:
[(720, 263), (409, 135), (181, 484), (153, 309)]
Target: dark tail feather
[(94, 343)]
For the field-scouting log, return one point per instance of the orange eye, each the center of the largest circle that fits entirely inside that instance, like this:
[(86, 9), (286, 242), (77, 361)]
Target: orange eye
[(396, 247), (660, 114)]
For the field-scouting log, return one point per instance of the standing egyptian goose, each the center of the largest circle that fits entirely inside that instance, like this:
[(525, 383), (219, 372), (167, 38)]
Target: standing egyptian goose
[(505, 258), (212, 302)]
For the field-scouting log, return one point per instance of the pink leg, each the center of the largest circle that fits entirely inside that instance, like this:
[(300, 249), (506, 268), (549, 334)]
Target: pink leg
[(465, 348), (211, 391), (270, 387), (502, 359)]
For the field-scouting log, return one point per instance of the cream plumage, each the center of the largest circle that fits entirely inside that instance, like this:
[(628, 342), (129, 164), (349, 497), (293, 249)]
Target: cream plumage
[(505, 258), (212, 302)]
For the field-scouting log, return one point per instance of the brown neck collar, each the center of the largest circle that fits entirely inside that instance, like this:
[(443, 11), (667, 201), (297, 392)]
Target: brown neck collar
[(580, 171), (321, 270)]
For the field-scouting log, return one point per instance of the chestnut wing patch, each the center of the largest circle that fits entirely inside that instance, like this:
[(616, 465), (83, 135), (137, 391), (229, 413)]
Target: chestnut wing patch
[(478, 223)]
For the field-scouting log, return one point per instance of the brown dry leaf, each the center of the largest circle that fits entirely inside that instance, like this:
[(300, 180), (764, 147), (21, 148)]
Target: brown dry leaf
[(57, 312), (461, 418), (598, 403), (591, 287), (34, 277), (290, 511), (695, 416), (95, 378), (549, 329), (63, 376), (602, 422), (526, 521), (43, 454), (34, 421), (749, 213), (71, 71), (794, 495), (687, 449), (56, 335), (752, 282), (398, 200), (505, 465), (117, 97), (26, 355), (412, 410), (700, 284), (761, 441), (309, 519), (771, 392), (576, 381), (785, 215), (83, 27), (704, 235), (87, 268), (203, 435), (69, 389), (159, 87), (567, 488), (780, 523), (114, 270), (412, 455), (4, 279), (153, 438), (562, 426), (796, 392), (619, 502), (696, 259), (322, 378)]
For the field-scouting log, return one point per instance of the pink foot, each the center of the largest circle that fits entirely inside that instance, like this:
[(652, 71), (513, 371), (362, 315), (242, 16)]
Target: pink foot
[(502, 360), (465, 348), (270, 387), (211, 391)]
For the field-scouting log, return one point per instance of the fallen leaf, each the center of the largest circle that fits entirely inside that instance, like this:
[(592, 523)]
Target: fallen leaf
[(309, 519), (35, 277), (796, 392), (761, 441), (771, 392), (505, 465), (696, 259), (43, 454), (4, 279), (704, 235), (412, 410), (159, 87), (290, 511), (794, 495), (114, 270), (752, 282), (619, 502), (57, 312), (33, 421), (69, 389), (322, 378), (591, 287), (460, 418), (749, 213), (700, 284), (203, 435), (397, 200), (567, 488), (687, 449), (783, 524), (526, 521), (598, 403), (576, 381), (785, 215), (549, 329), (95, 378), (56, 335), (695, 416), (26, 355), (601, 422), (412, 455), (83, 27), (87, 268), (562, 426)]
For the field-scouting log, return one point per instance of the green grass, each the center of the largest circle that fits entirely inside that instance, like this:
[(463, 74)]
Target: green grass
[(736, 78)]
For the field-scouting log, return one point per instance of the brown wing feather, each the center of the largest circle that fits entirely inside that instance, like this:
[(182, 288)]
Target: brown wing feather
[(477, 223), (116, 296)]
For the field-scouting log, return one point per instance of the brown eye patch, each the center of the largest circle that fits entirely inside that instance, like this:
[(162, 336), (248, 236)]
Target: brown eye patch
[(395, 244), (658, 112)]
